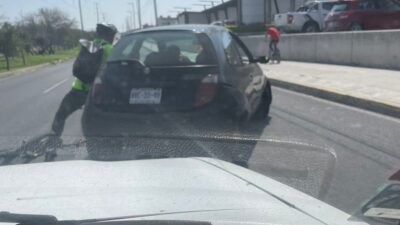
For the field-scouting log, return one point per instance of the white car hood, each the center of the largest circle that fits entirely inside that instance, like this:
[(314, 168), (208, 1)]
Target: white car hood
[(85, 190)]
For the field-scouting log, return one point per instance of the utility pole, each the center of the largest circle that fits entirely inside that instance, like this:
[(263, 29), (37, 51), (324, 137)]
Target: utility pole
[(276, 6), (127, 21), (133, 15), (130, 18), (97, 12), (155, 11), (139, 13), (80, 13)]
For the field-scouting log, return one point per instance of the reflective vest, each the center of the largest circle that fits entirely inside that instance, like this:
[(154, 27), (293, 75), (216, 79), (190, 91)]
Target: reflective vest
[(79, 85)]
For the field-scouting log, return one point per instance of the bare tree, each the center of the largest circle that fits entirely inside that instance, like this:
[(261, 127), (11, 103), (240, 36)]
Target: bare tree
[(45, 29), (55, 25)]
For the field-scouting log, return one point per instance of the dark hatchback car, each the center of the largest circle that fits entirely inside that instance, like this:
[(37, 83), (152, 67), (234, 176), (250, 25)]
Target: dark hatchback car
[(190, 72), (364, 15)]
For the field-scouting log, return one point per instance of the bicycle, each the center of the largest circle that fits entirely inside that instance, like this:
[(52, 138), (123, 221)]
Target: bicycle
[(275, 54), (43, 145)]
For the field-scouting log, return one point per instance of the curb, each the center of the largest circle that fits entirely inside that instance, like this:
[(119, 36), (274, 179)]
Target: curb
[(32, 68), (360, 103)]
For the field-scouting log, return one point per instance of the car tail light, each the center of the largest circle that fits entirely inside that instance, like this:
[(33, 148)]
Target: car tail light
[(290, 19), (98, 91), (395, 177), (207, 90)]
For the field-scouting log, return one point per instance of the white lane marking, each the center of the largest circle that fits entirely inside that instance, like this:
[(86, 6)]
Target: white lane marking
[(55, 86)]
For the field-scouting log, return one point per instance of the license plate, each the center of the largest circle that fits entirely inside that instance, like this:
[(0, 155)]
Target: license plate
[(145, 96)]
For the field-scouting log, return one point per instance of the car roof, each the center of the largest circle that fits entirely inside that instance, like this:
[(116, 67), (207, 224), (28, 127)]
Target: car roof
[(203, 28), (320, 1), (324, 1)]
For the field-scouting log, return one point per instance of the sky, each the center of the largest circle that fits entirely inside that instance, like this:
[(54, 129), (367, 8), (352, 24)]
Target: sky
[(110, 11)]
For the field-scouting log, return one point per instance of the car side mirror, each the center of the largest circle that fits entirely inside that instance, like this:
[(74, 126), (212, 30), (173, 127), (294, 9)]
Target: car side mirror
[(384, 207), (262, 60)]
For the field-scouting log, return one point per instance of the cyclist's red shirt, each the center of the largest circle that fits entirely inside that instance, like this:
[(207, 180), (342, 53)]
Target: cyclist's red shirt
[(274, 33)]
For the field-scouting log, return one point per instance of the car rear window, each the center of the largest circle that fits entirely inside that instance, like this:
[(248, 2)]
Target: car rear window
[(165, 48), (328, 5), (305, 8), (367, 5), (341, 7), (390, 4)]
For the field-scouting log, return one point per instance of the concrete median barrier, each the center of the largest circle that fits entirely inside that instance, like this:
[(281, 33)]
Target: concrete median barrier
[(377, 49)]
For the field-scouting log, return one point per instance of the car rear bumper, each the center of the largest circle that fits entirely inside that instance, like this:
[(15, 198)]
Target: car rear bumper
[(224, 109), (99, 122)]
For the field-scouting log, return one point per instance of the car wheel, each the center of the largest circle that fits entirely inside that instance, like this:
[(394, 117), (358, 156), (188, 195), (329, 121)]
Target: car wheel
[(104, 148), (265, 105), (311, 27), (356, 27)]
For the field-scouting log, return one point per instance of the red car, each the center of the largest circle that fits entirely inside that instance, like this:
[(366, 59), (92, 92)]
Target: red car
[(364, 15)]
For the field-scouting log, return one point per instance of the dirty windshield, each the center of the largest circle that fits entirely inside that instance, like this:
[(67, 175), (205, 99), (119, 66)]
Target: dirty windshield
[(247, 111)]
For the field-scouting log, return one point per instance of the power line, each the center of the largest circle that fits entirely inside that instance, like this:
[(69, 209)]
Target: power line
[(69, 4), (212, 2), (204, 5), (48, 3), (183, 8)]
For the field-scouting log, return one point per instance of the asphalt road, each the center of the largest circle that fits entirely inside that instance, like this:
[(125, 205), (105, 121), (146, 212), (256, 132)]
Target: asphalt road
[(337, 153)]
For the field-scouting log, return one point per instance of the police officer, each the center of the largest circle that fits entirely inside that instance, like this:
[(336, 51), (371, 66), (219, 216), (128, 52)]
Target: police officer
[(76, 98)]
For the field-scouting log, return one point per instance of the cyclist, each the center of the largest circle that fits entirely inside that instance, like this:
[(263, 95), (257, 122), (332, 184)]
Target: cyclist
[(274, 36), (76, 97)]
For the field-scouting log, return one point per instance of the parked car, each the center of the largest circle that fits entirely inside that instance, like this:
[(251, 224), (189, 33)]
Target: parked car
[(308, 18), (364, 15), (223, 23), (196, 71)]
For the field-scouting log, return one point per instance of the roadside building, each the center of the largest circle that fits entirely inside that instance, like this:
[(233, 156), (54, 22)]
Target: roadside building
[(225, 11), (192, 18)]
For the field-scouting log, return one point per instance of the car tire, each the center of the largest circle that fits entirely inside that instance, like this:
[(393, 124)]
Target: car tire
[(265, 105), (311, 27), (356, 27), (104, 148)]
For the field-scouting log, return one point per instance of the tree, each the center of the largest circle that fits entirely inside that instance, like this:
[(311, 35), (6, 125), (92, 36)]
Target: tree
[(8, 42), (28, 30), (56, 24), (46, 28), (2, 18)]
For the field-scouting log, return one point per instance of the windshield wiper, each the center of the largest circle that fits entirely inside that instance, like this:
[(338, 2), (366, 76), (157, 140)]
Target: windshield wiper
[(6, 217), (32, 219)]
